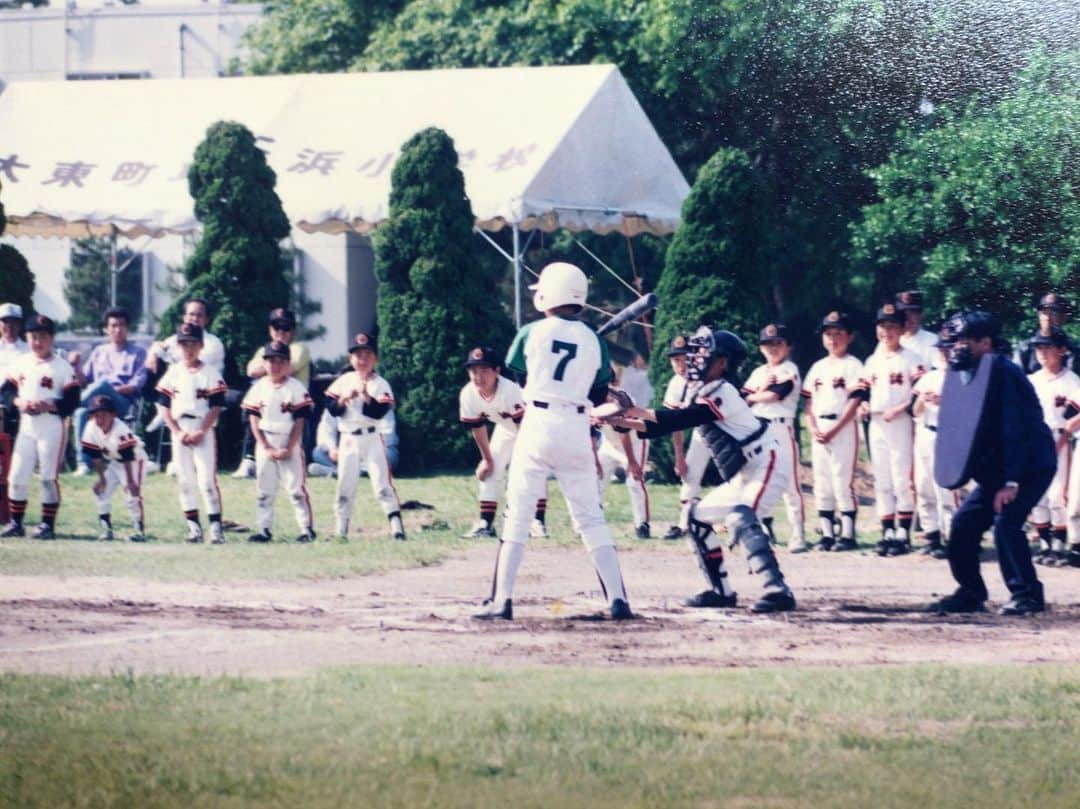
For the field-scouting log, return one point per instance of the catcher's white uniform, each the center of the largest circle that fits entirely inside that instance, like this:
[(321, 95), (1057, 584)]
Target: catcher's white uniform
[(116, 447)]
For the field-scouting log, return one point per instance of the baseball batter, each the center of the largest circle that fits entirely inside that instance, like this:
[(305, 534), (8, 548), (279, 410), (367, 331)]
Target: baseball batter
[(119, 458), (567, 367), (772, 391), (359, 399), (190, 397), (45, 392), (277, 405), (831, 388)]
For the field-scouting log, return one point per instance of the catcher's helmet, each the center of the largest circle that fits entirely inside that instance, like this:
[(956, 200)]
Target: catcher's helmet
[(560, 284), (708, 343)]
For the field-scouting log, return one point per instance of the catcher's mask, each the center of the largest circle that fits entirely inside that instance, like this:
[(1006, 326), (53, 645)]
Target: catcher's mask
[(706, 344)]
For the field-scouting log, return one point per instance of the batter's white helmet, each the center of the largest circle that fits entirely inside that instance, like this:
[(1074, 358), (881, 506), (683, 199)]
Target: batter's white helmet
[(560, 284)]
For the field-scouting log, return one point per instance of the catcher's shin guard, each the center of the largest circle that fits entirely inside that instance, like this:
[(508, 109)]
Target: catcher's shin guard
[(710, 555), (745, 529)]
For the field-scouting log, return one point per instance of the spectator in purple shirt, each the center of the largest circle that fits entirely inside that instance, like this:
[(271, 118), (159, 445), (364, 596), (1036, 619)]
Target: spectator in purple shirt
[(116, 368)]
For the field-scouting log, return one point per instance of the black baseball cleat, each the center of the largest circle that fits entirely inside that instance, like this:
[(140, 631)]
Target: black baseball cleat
[(620, 610), (826, 544), (883, 547), (399, 535), (674, 532), (775, 602), (1073, 557), (931, 549), (940, 552), (262, 536), (899, 548), (13, 529), (710, 599), (642, 531), (307, 536), (1024, 605), (958, 602), (43, 531), (845, 544), (493, 614)]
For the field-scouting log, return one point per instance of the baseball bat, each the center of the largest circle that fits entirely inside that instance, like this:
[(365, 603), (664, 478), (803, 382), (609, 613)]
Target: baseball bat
[(643, 305)]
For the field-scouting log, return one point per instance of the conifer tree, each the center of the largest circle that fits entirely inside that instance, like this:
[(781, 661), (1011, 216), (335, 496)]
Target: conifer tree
[(16, 279)]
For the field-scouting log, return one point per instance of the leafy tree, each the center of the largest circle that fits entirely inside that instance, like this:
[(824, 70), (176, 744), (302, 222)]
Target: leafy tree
[(237, 265), (16, 279), (87, 283), (985, 209), (435, 300)]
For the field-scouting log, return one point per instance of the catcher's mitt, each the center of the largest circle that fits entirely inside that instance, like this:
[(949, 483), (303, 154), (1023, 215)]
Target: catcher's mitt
[(618, 401)]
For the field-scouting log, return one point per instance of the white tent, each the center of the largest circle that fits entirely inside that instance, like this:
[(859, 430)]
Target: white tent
[(548, 147)]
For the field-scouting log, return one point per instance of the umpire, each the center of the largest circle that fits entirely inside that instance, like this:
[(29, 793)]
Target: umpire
[(1008, 451)]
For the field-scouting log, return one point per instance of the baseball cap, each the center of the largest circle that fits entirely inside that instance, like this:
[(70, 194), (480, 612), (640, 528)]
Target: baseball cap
[(99, 403), (836, 320), (40, 323), (189, 333), (282, 318), (364, 340), (1053, 302), (1056, 337), (275, 348), (773, 333), (679, 346), (910, 299), (10, 311), (888, 313), (483, 355)]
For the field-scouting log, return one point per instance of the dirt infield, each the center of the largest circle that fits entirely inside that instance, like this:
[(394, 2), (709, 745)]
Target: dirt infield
[(854, 609)]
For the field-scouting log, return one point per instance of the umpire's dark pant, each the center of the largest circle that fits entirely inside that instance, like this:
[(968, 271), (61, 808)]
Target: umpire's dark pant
[(971, 520)]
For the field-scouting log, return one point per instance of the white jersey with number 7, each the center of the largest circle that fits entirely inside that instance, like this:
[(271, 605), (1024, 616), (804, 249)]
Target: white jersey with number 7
[(563, 359)]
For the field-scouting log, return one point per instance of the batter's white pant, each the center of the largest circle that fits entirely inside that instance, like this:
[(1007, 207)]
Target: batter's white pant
[(612, 457), (555, 441), (936, 505), (196, 470), (290, 473), (760, 485), (368, 450), (116, 477), (834, 469), (40, 442), (783, 432), (892, 460), (697, 461), (1051, 509)]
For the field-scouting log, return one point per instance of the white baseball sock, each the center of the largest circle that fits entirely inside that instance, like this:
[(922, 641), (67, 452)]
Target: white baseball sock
[(606, 562), (506, 570)]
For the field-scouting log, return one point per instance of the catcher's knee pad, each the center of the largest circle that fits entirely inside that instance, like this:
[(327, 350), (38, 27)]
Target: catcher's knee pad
[(709, 549), (746, 529)]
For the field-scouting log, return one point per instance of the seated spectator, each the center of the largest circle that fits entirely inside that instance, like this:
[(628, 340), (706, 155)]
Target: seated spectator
[(116, 368)]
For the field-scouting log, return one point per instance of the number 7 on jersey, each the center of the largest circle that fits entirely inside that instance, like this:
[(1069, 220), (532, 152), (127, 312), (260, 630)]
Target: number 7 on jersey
[(559, 347)]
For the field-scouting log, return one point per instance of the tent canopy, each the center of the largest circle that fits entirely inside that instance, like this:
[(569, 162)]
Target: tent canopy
[(546, 147)]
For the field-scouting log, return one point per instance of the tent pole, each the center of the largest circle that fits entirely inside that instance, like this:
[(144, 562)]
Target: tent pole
[(113, 272), (517, 277)]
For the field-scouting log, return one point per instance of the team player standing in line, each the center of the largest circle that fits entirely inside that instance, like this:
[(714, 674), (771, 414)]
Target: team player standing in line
[(620, 449), (936, 505), (690, 461)]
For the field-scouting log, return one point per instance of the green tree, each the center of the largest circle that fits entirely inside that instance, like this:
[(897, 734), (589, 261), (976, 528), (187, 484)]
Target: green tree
[(237, 266), (436, 301), (985, 209), (16, 278), (87, 283)]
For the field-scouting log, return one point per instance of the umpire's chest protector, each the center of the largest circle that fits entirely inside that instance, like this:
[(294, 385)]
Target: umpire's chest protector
[(962, 423)]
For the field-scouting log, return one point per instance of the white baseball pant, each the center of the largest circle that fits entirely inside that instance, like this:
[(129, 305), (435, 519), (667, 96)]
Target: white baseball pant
[(936, 505), (760, 485), (612, 457), (788, 457), (834, 468), (368, 450), (116, 477), (196, 469), (891, 458), (290, 473), (40, 442), (1051, 509)]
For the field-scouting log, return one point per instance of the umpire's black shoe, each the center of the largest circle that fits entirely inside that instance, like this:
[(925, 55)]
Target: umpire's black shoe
[(1024, 605), (620, 610), (13, 529), (674, 532), (262, 536), (845, 544), (957, 602), (712, 599), (775, 602), (493, 614)]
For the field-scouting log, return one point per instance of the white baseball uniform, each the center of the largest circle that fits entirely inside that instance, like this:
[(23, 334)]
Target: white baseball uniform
[(190, 393), (936, 504), (361, 443), (678, 394), (783, 380), (42, 436), (505, 410), (922, 344), (612, 456), (829, 386), (1054, 392), (9, 352), (212, 353), (890, 377), (278, 407), (116, 447)]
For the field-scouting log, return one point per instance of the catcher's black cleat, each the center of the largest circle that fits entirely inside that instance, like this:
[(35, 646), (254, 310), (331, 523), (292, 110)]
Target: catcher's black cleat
[(13, 529), (710, 599), (44, 531), (262, 536), (620, 610), (958, 602), (674, 532), (493, 614), (845, 544), (775, 602)]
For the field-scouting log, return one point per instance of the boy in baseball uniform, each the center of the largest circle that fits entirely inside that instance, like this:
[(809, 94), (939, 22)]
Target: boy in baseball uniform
[(936, 505), (915, 338), (889, 378), (190, 397), (45, 393), (276, 406), (118, 457), (619, 448), (1055, 386), (690, 462), (567, 368), (831, 389), (772, 391), (490, 398), (359, 399)]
